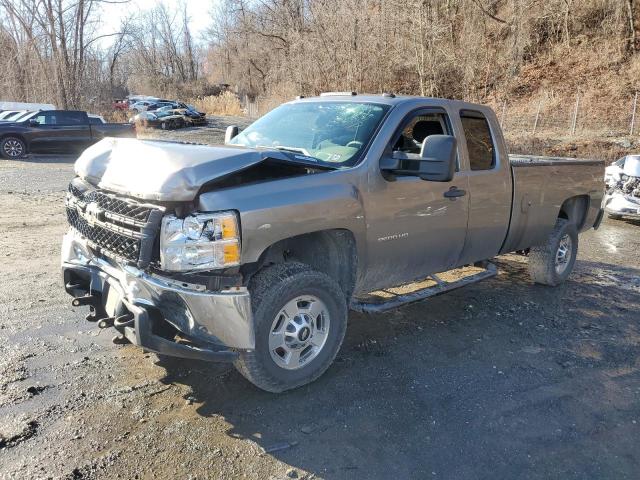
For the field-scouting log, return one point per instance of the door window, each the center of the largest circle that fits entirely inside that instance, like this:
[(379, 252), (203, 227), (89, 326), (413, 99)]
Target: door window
[(46, 118), (418, 128), (480, 146)]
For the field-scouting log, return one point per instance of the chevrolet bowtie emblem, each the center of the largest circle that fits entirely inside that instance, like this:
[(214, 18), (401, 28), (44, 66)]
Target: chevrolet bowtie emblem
[(92, 213)]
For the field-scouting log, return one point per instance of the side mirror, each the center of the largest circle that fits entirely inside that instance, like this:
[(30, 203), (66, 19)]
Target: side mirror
[(438, 158), (436, 162), (33, 122), (232, 131)]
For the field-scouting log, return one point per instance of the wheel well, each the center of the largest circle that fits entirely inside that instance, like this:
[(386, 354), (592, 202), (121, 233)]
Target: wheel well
[(332, 252), (15, 135), (575, 210)]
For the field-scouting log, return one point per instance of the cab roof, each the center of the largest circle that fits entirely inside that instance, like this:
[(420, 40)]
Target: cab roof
[(387, 99)]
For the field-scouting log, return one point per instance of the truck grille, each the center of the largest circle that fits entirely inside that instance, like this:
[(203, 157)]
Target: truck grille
[(117, 227)]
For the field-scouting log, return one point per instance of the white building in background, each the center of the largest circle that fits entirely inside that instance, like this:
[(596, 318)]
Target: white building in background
[(25, 106)]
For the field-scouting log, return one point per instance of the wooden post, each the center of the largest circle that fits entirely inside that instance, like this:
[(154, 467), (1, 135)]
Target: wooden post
[(535, 123), (575, 115), (633, 113)]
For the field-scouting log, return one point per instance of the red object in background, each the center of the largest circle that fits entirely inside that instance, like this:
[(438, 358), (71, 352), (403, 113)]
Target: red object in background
[(120, 105)]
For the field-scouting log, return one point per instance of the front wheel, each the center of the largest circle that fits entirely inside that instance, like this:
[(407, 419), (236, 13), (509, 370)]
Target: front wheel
[(12, 147), (551, 263), (300, 318)]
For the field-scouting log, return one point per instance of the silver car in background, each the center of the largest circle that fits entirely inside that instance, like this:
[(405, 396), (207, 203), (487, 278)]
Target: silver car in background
[(622, 180)]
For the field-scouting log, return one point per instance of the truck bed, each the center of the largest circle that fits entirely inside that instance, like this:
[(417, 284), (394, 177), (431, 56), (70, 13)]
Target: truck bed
[(540, 186)]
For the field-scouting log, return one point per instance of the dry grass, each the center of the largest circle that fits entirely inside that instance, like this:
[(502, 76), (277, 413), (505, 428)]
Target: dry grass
[(226, 103), (117, 116), (602, 148)]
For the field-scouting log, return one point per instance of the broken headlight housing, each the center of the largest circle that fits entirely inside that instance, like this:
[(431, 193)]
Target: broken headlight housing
[(202, 241)]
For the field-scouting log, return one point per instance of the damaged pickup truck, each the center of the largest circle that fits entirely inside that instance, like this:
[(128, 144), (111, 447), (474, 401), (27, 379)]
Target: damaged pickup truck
[(254, 252)]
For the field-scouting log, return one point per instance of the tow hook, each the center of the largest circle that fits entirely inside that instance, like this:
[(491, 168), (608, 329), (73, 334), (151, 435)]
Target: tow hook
[(106, 322), (120, 340), (125, 320), (85, 300), (120, 322), (92, 315)]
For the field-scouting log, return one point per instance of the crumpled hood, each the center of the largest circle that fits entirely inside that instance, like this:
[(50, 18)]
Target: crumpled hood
[(159, 170)]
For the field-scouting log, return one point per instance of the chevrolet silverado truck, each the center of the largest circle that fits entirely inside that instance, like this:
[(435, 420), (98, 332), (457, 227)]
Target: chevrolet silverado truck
[(253, 252), (56, 131)]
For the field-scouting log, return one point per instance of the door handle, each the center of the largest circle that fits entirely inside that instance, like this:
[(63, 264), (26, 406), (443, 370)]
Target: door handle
[(455, 192)]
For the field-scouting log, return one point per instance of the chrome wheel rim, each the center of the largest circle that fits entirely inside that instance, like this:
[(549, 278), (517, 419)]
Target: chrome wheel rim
[(12, 148), (563, 254), (299, 332)]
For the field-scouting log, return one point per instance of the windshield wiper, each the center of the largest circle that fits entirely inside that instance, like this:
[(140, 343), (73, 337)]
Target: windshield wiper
[(309, 161), (288, 149)]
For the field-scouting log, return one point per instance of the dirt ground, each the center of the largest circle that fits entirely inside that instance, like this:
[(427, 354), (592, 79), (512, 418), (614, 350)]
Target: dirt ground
[(499, 380)]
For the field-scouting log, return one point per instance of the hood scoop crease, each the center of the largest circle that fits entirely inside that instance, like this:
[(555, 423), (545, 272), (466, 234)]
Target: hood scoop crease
[(164, 171)]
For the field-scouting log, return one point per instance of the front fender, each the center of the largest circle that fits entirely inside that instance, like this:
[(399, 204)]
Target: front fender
[(277, 210)]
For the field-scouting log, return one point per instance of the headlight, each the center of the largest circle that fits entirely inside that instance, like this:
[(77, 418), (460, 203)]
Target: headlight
[(203, 241)]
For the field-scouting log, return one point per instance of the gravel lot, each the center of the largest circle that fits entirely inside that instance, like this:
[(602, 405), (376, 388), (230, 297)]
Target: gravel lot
[(502, 379)]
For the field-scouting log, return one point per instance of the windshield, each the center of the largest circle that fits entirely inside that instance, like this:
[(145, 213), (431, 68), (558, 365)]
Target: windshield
[(26, 116), (13, 115), (331, 132)]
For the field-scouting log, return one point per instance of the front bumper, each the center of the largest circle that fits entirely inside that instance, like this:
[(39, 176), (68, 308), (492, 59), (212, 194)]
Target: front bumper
[(214, 321), (618, 204)]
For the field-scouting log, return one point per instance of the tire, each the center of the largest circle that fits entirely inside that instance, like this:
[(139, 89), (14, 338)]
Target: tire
[(290, 285), (547, 263), (12, 148), (615, 216)]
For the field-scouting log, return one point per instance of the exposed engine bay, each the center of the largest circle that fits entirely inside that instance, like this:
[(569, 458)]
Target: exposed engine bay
[(623, 189), (626, 185)]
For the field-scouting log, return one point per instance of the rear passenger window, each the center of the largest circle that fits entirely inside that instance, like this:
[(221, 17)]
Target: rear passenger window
[(482, 152), (70, 118)]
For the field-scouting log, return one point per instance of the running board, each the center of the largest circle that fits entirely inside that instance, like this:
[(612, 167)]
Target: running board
[(388, 299)]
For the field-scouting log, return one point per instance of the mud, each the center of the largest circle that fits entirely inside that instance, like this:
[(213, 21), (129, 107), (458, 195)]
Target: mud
[(501, 379)]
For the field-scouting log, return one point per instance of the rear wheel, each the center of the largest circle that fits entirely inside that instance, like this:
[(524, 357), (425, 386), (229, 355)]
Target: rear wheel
[(552, 263), (12, 147), (300, 318)]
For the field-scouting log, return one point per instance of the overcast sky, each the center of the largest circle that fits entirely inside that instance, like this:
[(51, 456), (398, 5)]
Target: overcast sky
[(198, 11)]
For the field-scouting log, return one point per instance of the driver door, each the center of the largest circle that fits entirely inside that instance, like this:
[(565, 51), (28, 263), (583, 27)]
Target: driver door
[(419, 228)]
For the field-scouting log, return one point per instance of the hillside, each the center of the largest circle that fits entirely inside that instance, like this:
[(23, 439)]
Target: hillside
[(527, 58), (561, 74)]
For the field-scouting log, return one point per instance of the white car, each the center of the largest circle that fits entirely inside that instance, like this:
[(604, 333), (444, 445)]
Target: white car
[(141, 106), (95, 119), (613, 171)]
